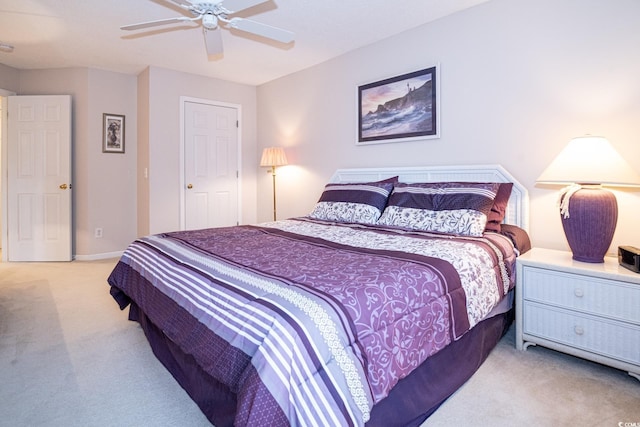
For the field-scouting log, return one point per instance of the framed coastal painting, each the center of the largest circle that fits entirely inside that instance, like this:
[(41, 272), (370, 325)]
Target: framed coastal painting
[(400, 108), (112, 133)]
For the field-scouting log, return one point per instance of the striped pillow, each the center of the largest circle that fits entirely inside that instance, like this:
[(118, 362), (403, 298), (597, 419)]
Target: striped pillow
[(458, 208), (354, 203)]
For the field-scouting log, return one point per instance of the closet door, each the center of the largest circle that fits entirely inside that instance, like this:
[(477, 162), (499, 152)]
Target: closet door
[(211, 165)]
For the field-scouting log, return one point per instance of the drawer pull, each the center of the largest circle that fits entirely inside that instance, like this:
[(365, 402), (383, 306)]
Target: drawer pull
[(579, 330), (578, 292)]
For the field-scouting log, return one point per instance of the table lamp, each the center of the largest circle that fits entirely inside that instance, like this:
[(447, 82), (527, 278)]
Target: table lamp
[(273, 157), (589, 213)]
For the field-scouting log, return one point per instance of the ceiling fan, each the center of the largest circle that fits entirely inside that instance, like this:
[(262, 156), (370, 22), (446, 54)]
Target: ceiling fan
[(213, 16)]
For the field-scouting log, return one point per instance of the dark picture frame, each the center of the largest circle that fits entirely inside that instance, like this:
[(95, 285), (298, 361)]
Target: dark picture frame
[(401, 108), (112, 133)]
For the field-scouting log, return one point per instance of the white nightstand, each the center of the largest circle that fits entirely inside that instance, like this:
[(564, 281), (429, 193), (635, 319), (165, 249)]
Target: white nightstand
[(586, 310)]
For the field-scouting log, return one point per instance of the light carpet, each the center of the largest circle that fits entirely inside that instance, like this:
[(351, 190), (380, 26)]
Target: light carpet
[(69, 357)]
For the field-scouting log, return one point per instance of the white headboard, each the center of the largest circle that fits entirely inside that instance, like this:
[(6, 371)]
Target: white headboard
[(517, 210)]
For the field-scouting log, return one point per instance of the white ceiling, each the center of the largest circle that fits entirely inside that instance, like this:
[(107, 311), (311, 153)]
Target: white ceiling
[(86, 33)]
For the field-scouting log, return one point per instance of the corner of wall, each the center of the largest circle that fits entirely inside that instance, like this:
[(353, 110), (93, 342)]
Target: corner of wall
[(143, 154)]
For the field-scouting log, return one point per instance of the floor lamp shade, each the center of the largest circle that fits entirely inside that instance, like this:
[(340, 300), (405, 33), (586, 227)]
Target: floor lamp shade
[(273, 157), (588, 212)]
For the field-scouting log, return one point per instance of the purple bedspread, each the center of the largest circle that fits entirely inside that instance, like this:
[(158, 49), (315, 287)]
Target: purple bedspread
[(310, 322)]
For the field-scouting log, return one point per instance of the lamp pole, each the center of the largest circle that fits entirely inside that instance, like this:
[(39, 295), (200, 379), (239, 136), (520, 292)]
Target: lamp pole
[(273, 157), (273, 173)]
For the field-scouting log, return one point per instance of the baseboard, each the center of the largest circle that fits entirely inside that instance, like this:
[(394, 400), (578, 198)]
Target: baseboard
[(96, 257)]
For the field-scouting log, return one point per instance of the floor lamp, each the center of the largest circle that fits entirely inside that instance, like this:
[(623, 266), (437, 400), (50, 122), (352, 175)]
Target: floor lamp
[(588, 212), (273, 157)]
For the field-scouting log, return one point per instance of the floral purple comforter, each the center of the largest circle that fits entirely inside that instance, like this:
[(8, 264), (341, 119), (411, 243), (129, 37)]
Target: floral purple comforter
[(310, 322)]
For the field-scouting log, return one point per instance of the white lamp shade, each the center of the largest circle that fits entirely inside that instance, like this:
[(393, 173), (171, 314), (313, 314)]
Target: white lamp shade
[(273, 156), (590, 160)]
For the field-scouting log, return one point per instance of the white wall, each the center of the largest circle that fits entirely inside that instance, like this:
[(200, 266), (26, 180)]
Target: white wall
[(165, 87), (519, 79), (9, 83), (104, 185), (9, 78), (111, 177), (1, 168)]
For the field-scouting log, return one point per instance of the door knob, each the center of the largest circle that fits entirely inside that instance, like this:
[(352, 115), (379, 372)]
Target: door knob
[(63, 186), (189, 186)]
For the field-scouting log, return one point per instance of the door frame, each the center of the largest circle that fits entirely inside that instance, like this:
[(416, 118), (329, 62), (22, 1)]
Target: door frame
[(4, 236), (183, 196)]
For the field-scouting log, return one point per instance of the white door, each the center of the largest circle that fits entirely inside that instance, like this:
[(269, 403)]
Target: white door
[(39, 178), (211, 165)]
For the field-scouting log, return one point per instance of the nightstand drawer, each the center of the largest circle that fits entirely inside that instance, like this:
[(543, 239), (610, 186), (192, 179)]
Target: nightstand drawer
[(610, 298), (616, 340)]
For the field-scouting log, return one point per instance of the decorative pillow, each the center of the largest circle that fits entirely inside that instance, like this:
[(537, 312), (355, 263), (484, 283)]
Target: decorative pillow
[(499, 209), (518, 236), (360, 203), (459, 208)]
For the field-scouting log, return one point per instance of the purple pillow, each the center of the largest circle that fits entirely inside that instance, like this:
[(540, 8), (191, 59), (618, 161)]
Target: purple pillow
[(499, 208), (360, 203), (459, 208)]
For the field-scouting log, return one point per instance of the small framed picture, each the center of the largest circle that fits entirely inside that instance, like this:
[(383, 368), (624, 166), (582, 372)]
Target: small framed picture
[(400, 108), (112, 133)]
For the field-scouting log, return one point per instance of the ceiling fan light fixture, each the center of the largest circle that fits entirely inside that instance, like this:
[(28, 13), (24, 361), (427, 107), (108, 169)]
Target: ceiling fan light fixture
[(209, 21)]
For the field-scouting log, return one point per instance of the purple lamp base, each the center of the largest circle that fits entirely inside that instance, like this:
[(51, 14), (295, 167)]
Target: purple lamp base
[(593, 214)]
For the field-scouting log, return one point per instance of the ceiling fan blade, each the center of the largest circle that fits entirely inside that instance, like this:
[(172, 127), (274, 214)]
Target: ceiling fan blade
[(234, 6), (263, 30), (213, 41), (154, 23), (181, 3)]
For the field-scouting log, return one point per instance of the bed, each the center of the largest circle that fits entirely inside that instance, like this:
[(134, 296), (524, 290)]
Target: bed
[(371, 310)]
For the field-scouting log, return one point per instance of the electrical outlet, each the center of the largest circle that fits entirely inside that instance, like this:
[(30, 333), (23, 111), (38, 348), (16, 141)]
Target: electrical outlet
[(98, 233)]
